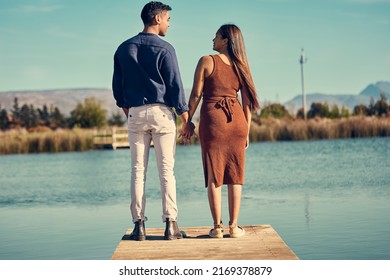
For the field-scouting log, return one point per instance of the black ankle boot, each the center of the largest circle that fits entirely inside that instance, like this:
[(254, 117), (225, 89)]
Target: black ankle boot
[(172, 230), (138, 233)]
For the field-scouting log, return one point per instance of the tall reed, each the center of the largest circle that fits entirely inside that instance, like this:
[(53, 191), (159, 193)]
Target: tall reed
[(47, 141), (320, 128), (23, 142), (270, 129)]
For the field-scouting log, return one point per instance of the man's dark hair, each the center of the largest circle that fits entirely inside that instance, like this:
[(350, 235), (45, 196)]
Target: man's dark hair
[(151, 9)]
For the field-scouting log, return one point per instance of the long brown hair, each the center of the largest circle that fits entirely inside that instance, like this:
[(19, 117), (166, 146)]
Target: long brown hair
[(236, 49)]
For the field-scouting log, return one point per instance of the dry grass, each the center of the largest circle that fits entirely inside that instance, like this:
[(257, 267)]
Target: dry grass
[(44, 140), (22, 142), (316, 129)]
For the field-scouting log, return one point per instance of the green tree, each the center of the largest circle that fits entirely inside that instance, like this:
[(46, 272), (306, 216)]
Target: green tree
[(371, 107), (56, 118), (24, 116), (360, 110), (44, 115), (344, 112), (34, 119), (116, 119), (16, 112), (381, 107), (89, 114), (274, 110), (28, 116), (318, 110), (4, 120), (334, 112), (300, 114)]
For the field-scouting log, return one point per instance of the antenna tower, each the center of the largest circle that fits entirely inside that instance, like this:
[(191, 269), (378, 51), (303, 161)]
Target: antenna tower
[(303, 60)]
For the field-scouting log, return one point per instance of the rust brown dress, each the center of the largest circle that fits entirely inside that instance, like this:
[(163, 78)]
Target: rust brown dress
[(223, 127)]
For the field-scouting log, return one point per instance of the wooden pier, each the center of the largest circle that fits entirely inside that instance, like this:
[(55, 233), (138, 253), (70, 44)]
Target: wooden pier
[(261, 242), (111, 138)]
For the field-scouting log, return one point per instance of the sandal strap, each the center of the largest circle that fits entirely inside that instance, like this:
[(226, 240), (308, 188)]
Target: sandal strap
[(220, 225)]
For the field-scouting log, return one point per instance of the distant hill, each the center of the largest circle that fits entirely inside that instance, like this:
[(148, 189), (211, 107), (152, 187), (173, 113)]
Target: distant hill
[(346, 100), (65, 99), (375, 90)]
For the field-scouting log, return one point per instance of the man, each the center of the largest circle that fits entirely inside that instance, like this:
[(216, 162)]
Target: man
[(147, 85)]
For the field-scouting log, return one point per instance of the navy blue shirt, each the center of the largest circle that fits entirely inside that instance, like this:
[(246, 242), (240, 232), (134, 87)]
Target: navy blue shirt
[(146, 71)]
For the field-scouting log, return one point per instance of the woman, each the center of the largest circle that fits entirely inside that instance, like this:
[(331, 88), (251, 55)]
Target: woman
[(224, 123)]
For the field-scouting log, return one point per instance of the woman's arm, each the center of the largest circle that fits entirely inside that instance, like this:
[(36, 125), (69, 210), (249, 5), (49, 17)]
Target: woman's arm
[(202, 70), (246, 106)]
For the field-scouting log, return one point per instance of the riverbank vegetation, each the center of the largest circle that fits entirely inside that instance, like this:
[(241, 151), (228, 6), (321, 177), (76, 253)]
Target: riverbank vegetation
[(275, 123), (29, 130), (319, 128), (21, 141)]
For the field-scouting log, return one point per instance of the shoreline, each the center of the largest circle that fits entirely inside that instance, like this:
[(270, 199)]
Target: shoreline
[(20, 141)]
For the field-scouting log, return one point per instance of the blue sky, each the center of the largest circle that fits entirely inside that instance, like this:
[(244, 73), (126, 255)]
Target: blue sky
[(51, 44)]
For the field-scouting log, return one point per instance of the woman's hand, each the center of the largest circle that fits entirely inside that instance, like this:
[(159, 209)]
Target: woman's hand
[(247, 142), (188, 130)]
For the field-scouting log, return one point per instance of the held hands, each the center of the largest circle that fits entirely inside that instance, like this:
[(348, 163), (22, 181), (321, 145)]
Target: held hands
[(188, 130)]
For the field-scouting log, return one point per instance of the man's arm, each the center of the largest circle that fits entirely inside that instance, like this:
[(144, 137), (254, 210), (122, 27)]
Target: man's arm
[(117, 83), (174, 86)]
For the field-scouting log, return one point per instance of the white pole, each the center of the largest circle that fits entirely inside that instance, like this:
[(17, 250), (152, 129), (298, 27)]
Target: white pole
[(302, 60)]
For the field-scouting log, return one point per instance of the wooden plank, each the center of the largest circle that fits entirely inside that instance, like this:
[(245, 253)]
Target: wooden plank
[(111, 138), (261, 242)]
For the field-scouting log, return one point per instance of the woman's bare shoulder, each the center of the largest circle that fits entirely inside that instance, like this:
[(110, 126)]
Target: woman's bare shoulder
[(205, 65), (206, 61)]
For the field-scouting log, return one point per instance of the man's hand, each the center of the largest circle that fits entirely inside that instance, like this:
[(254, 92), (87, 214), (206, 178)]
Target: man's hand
[(188, 130)]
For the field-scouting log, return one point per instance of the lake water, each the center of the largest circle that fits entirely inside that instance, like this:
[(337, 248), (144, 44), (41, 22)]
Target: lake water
[(328, 200)]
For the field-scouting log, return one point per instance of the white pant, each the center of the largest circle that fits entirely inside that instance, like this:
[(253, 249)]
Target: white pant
[(155, 122)]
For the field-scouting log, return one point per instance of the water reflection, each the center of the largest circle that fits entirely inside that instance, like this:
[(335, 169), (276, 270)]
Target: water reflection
[(307, 209), (83, 199)]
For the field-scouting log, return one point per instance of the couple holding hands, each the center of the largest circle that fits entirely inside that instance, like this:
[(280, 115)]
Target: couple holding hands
[(147, 86)]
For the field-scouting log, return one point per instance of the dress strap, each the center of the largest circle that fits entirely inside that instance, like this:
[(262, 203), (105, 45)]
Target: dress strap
[(214, 65)]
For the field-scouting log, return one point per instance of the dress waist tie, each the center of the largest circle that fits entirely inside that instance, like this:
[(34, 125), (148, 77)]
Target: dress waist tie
[(226, 104)]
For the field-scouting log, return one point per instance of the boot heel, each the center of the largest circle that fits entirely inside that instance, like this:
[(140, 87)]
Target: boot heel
[(139, 233), (172, 230)]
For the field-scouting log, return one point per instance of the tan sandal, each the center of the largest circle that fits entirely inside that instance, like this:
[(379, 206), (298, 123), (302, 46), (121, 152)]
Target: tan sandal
[(236, 231), (217, 231)]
